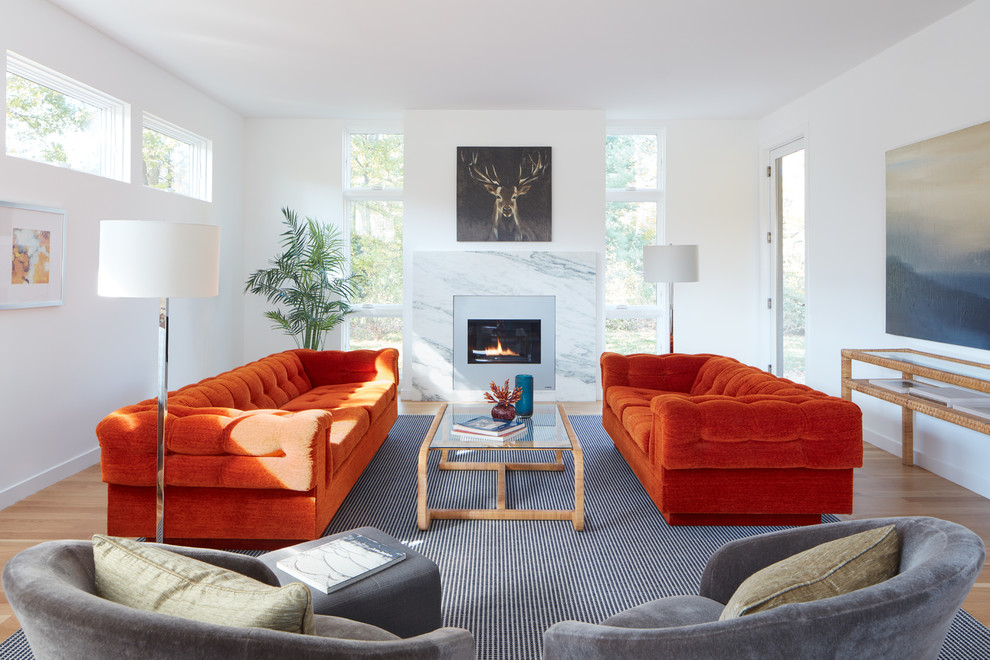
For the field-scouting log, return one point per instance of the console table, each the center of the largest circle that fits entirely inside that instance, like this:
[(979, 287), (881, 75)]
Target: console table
[(915, 364)]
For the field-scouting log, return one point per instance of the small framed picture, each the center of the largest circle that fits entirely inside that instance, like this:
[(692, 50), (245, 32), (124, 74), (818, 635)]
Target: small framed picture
[(34, 237)]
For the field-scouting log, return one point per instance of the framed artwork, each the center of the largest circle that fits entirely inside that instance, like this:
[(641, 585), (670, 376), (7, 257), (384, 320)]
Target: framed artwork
[(938, 238), (34, 237), (503, 194)]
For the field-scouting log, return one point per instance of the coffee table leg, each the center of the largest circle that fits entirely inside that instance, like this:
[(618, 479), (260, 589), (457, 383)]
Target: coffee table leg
[(578, 457), (423, 513)]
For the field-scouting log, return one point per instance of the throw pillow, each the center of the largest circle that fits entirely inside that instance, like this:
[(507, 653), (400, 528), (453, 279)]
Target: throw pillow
[(830, 569), (150, 578)]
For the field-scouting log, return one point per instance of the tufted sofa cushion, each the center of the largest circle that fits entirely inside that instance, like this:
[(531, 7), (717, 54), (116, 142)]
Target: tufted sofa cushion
[(270, 382), (756, 431), (723, 375)]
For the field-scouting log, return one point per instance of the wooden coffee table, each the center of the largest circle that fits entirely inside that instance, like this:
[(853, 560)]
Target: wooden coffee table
[(549, 429)]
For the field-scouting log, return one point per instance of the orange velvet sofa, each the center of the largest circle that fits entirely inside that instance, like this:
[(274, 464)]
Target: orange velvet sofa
[(717, 442), (255, 457)]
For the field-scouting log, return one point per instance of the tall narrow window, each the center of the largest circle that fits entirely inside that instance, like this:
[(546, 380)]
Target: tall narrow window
[(633, 212), (176, 160), (374, 212), (54, 119), (789, 259)]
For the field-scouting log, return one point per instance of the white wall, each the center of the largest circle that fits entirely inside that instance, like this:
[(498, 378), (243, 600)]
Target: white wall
[(64, 368), (930, 84), (294, 163), (713, 179)]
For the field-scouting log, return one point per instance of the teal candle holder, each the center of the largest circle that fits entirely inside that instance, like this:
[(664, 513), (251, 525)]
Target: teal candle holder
[(524, 406)]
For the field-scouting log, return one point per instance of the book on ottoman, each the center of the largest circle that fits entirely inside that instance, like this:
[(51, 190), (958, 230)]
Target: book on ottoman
[(340, 562)]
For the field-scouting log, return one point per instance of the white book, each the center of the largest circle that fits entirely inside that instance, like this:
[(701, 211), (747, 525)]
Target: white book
[(895, 384), (337, 563), (948, 395), (978, 408)]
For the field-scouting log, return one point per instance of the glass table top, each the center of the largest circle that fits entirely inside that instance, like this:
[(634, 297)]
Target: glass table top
[(934, 362), (544, 430)]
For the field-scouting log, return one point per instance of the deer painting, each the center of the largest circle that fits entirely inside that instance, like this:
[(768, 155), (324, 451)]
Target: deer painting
[(507, 222)]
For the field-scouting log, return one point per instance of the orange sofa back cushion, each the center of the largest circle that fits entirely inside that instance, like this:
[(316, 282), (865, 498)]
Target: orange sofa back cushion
[(358, 366), (270, 382), (729, 377), (670, 373)]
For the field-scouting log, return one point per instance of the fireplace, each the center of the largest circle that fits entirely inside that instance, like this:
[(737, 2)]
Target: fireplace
[(498, 337), (503, 341)]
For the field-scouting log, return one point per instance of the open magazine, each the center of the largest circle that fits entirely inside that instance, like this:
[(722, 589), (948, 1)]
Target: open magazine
[(337, 563)]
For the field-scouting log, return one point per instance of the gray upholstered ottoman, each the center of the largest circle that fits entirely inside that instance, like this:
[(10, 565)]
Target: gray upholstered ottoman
[(404, 599)]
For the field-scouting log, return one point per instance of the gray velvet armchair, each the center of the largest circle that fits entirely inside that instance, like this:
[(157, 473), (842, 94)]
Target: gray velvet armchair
[(907, 616), (51, 589)]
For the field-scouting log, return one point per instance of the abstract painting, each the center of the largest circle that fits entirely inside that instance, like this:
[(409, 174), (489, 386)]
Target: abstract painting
[(35, 240), (938, 238)]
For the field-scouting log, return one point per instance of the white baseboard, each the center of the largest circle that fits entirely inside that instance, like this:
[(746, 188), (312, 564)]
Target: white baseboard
[(979, 484), (32, 485)]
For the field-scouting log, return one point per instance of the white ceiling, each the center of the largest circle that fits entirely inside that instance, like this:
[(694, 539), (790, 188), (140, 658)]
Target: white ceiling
[(632, 58)]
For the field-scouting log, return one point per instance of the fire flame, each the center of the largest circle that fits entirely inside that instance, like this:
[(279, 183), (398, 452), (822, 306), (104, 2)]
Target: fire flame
[(498, 351)]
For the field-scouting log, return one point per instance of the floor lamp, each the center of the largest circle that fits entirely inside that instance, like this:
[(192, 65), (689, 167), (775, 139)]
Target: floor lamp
[(149, 259), (669, 264)]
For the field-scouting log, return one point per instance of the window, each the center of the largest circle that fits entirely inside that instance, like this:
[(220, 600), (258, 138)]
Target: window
[(373, 200), (787, 165), (175, 159), (633, 213), (56, 120)]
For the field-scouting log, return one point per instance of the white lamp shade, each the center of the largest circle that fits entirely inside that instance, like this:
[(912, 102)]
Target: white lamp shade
[(670, 263), (151, 259)]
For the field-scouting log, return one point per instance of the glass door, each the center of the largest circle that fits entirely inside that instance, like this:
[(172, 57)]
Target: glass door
[(788, 182)]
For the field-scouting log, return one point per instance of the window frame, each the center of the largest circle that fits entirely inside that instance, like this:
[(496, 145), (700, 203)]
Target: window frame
[(201, 160), (351, 196), (112, 125), (655, 195)]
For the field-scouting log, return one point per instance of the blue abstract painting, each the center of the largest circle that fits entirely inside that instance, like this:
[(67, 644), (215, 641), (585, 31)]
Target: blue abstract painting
[(938, 238)]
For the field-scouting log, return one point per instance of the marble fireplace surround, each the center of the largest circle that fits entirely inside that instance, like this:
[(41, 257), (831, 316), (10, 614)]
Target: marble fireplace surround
[(439, 276)]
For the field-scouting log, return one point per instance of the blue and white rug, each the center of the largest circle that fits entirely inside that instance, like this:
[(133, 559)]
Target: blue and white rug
[(508, 581)]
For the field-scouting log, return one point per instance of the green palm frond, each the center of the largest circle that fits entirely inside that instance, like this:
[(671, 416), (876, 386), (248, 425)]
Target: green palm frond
[(305, 281)]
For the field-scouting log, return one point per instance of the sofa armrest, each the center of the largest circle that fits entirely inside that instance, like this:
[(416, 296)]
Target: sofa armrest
[(758, 431), (217, 447), (360, 366)]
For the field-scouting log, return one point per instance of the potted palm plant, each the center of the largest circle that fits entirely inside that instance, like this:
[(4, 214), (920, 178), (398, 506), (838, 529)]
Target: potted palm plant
[(306, 281)]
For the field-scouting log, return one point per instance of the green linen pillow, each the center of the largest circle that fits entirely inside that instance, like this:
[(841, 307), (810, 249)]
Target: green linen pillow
[(830, 569), (150, 578)]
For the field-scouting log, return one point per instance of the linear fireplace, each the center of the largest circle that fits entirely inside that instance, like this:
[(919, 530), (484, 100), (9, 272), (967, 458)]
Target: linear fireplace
[(498, 337)]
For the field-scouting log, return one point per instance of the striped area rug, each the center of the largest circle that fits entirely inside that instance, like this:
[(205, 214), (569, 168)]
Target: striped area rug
[(508, 581)]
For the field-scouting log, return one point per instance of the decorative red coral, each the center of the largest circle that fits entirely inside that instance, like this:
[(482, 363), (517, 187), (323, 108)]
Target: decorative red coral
[(502, 395)]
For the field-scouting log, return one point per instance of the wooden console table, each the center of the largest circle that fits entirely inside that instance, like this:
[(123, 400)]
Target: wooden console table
[(915, 364)]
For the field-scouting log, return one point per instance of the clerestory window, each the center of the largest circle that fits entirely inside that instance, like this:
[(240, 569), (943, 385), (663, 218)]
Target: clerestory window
[(53, 119), (176, 160)]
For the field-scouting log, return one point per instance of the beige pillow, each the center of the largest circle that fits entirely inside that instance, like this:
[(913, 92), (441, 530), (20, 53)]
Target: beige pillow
[(830, 569), (149, 578)]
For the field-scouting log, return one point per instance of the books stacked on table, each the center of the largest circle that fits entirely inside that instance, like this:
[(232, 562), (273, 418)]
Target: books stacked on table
[(488, 428)]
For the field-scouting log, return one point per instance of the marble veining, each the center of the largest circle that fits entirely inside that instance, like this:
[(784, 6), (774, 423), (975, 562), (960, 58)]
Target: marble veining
[(439, 276)]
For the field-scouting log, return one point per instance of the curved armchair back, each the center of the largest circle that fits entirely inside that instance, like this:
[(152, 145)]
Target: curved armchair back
[(51, 588), (907, 616)]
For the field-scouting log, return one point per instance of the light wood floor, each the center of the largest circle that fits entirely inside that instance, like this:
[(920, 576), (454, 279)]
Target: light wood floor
[(75, 508)]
